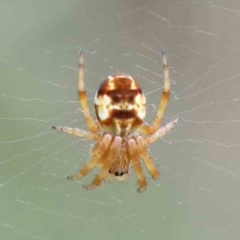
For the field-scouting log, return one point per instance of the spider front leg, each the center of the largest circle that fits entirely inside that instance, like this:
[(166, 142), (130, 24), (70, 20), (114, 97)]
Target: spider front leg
[(149, 129), (82, 95)]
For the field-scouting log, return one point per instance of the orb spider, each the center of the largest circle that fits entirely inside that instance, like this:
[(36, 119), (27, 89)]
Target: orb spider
[(120, 107)]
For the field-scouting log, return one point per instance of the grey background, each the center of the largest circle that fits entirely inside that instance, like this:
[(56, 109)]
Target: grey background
[(197, 196)]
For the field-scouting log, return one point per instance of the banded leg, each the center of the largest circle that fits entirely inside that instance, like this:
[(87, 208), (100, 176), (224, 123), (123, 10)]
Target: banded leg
[(113, 154), (142, 146), (82, 95), (103, 146), (135, 158), (161, 131), (149, 129), (78, 132)]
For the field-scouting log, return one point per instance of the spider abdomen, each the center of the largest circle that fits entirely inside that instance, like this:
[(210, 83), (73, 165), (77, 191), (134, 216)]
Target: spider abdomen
[(120, 104)]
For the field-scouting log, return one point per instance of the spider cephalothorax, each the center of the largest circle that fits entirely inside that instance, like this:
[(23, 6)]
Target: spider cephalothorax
[(120, 107)]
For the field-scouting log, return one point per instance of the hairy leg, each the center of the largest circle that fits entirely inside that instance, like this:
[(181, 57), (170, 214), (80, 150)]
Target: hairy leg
[(149, 129), (135, 158), (142, 146), (161, 131), (103, 146), (113, 154), (78, 132), (82, 95)]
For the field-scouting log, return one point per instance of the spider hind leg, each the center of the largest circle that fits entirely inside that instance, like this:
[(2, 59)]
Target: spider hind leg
[(150, 129)]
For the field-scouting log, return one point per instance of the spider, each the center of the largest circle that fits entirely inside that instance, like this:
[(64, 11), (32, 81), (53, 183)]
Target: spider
[(120, 107)]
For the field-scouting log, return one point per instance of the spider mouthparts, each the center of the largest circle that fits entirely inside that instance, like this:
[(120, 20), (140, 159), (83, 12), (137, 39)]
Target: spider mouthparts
[(119, 174)]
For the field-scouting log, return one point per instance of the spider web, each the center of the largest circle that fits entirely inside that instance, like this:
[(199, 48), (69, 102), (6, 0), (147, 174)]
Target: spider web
[(197, 195)]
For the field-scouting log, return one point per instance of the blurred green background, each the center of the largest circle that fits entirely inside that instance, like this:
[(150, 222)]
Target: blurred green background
[(197, 195)]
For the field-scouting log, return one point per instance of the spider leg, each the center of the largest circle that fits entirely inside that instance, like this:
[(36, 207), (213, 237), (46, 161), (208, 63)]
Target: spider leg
[(102, 147), (114, 151), (78, 132), (82, 95), (135, 157), (161, 131), (149, 129), (142, 146)]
